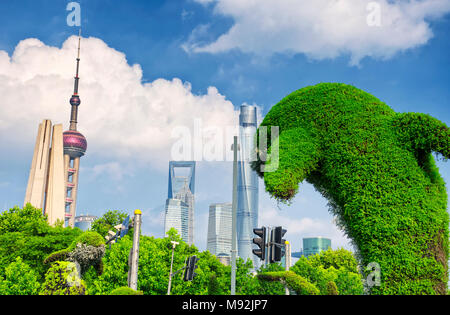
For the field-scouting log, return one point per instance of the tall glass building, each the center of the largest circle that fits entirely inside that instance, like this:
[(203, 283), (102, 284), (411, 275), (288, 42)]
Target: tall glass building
[(219, 229), (179, 212), (247, 199), (314, 245)]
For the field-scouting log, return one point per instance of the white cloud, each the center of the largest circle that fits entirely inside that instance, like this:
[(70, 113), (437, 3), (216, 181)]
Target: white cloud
[(115, 170), (323, 28), (119, 115)]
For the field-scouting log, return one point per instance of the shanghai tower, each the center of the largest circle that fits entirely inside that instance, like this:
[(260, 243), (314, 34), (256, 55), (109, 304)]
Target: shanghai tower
[(247, 199)]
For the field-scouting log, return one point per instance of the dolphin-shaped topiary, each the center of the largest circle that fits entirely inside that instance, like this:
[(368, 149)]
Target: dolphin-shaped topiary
[(376, 169)]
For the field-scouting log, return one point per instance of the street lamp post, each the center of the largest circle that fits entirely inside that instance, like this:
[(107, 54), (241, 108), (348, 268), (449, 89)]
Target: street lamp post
[(171, 265), (235, 149), (133, 279), (287, 255)]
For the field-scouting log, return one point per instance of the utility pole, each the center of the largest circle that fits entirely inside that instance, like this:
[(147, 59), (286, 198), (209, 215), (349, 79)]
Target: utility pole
[(171, 264), (269, 247), (133, 278), (287, 256), (235, 149)]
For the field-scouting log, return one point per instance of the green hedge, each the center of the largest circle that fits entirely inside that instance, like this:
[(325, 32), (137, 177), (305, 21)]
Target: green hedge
[(297, 283), (62, 279), (376, 169), (125, 291), (88, 238)]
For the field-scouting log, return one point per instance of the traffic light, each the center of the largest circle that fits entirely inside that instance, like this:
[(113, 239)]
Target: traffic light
[(278, 242), (261, 242), (191, 265)]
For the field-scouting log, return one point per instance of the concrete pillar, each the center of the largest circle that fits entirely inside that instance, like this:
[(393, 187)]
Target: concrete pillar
[(37, 181), (56, 188)]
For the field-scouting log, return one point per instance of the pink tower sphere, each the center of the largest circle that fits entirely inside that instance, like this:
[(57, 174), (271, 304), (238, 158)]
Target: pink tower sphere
[(75, 144)]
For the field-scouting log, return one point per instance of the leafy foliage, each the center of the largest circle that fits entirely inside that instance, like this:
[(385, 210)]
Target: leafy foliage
[(297, 283), (60, 275), (154, 266), (86, 250), (59, 255), (331, 272), (20, 280), (26, 233), (125, 291), (28, 219), (376, 169), (332, 288), (62, 279), (338, 258), (108, 221), (270, 288), (89, 239)]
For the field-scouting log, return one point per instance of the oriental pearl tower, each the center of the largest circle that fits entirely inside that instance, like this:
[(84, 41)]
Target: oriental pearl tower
[(75, 146)]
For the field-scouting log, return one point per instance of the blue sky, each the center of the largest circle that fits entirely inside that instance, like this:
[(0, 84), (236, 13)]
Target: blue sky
[(241, 51)]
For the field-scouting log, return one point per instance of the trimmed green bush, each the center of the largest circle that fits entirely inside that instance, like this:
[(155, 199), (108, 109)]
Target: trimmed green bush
[(89, 239), (297, 283), (87, 250), (376, 169), (60, 255), (62, 279), (332, 288), (125, 291)]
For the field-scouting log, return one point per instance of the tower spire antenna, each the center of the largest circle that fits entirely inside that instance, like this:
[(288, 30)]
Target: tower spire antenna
[(79, 43), (75, 100), (75, 92)]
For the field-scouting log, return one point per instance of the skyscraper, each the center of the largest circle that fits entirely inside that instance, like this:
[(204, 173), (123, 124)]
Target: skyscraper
[(314, 245), (219, 229), (179, 212), (247, 203), (53, 180)]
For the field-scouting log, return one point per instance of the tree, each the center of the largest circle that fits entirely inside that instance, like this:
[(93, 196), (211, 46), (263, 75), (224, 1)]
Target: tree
[(26, 233), (338, 258), (154, 267), (108, 221), (28, 219), (20, 280), (329, 269), (214, 286)]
